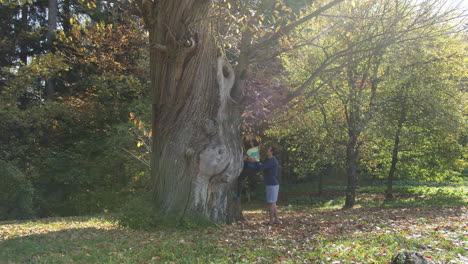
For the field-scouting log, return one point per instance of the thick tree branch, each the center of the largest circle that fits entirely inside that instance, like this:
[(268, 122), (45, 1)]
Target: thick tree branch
[(293, 25), (249, 52), (160, 47)]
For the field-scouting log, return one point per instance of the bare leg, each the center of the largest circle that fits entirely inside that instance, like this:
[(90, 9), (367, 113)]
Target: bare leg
[(276, 214), (271, 212)]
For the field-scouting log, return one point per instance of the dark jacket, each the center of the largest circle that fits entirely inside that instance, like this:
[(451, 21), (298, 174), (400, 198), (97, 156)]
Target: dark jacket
[(270, 168)]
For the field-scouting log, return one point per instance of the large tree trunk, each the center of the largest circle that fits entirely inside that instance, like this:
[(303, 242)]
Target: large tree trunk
[(197, 154)]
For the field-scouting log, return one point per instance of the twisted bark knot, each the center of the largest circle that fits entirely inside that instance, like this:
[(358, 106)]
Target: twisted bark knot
[(189, 152), (210, 127), (225, 77), (222, 177), (213, 160)]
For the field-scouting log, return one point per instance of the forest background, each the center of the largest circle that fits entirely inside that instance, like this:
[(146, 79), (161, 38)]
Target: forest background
[(75, 102)]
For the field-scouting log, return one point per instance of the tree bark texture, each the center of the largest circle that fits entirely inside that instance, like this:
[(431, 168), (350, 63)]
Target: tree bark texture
[(52, 21), (23, 44), (65, 15), (52, 27), (197, 154), (352, 161), (391, 173)]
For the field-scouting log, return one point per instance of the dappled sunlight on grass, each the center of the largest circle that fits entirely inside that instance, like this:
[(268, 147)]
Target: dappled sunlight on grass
[(311, 236), (12, 229), (322, 232)]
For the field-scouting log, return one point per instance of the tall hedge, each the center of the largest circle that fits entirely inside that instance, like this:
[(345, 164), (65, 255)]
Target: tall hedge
[(16, 193)]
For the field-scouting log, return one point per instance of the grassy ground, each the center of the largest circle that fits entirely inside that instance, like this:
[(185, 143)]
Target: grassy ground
[(309, 233)]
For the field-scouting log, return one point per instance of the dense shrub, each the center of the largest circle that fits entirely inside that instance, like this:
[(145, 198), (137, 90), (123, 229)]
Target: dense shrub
[(92, 177), (138, 213), (16, 193)]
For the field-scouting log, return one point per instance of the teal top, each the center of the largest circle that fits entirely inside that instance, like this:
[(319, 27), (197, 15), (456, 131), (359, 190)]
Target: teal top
[(254, 153)]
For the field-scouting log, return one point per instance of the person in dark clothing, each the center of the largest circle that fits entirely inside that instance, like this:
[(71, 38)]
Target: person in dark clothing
[(270, 168)]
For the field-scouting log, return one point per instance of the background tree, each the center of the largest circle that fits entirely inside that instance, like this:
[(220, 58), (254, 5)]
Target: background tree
[(52, 15), (420, 102), (21, 33), (361, 43)]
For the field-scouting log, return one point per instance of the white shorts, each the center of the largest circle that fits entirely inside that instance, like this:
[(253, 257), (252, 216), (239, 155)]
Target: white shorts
[(272, 193)]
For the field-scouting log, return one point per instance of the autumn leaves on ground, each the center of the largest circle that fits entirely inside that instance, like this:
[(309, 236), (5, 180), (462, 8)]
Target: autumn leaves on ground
[(307, 234)]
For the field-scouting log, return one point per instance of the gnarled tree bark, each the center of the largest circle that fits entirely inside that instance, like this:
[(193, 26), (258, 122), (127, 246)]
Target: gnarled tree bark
[(197, 154)]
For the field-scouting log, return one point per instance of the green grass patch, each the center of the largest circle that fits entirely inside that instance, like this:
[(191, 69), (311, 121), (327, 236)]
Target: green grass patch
[(428, 219), (306, 235), (406, 195)]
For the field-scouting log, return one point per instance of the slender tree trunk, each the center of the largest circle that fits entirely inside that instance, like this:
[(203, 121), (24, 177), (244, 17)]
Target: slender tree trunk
[(23, 43), (197, 154), (65, 16), (52, 22), (396, 144), (351, 169), (287, 167), (374, 175), (320, 182), (52, 27)]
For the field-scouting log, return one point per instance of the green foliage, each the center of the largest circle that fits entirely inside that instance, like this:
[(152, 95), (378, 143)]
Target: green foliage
[(70, 148), (21, 37), (440, 196), (415, 81), (308, 149), (74, 169), (92, 177), (16, 193)]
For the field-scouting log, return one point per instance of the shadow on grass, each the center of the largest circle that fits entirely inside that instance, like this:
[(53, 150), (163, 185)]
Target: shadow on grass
[(93, 240), (85, 245), (100, 242)]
